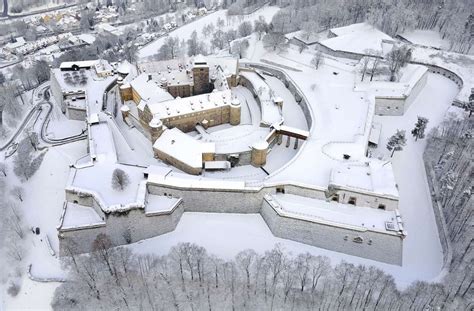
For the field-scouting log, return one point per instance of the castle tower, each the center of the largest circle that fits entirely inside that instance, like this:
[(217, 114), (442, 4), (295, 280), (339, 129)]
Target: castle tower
[(201, 76), (125, 112), (258, 155), (156, 129), (235, 112)]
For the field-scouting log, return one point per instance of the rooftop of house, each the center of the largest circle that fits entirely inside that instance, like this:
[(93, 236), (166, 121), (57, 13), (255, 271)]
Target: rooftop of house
[(183, 147), (148, 86), (180, 106)]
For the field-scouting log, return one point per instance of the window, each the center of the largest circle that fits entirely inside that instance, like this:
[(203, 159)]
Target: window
[(352, 200), (335, 198), (382, 206), (280, 189)]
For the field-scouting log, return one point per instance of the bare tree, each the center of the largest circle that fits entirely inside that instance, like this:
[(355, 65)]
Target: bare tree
[(245, 29), (25, 164), (18, 193), (275, 41), (397, 58), (120, 179), (317, 59), (261, 27), (365, 62)]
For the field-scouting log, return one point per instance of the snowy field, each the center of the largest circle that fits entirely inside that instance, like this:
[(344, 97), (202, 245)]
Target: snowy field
[(42, 208), (184, 32)]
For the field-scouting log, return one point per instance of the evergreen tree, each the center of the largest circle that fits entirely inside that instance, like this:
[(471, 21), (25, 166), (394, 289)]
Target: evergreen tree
[(397, 142), (419, 131)]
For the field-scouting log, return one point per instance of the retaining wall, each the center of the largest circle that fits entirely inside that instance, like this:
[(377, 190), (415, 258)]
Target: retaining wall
[(372, 245)]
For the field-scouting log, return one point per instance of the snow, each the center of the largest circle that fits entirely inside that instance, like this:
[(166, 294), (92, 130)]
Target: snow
[(249, 109), (160, 204), (182, 180), (410, 76), (194, 104), (81, 64), (292, 112), (356, 38), (183, 147), (41, 208), (333, 212), (374, 176), (462, 65), (270, 112), (428, 38), (227, 234), (149, 89), (102, 142), (78, 215), (235, 139), (97, 180), (422, 250), (184, 32), (87, 38)]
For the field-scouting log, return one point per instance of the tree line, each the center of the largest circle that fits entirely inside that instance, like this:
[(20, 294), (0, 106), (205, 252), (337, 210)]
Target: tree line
[(189, 278), (449, 154)]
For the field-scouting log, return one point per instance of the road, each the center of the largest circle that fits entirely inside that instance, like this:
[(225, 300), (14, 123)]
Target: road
[(7, 15), (33, 115)]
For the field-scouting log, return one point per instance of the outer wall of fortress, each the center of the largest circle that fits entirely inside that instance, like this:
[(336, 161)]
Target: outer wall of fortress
[(136, 225)]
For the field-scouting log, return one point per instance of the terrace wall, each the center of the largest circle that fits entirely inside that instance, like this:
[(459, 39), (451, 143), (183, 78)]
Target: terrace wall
[(372, 245)]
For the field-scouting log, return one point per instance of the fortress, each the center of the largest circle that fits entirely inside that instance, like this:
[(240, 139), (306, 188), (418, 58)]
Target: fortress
[(224, 140)]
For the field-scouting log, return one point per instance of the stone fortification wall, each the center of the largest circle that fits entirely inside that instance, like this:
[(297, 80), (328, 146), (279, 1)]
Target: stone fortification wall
[(345, 239)]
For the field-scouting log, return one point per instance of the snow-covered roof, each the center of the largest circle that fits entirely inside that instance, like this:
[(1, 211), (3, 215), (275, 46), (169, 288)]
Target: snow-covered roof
[(19, 41), (109, 28), (183, 147), (80, 64), (102, 67), (200, 60), (150, 90), (193, 104), (356, 38), (333, 213), (229, 65), (374, 176), (428, 38), (124, 67), (87, 38), (375, 132)]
